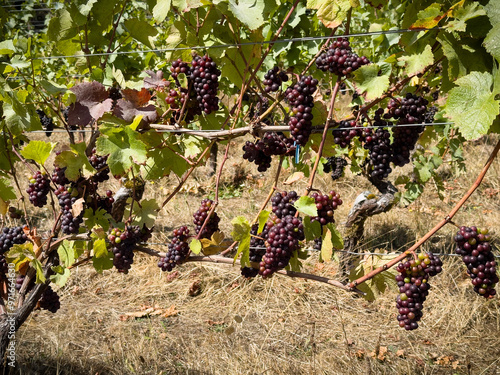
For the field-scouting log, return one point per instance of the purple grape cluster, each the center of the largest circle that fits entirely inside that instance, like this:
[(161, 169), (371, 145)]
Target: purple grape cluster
[(11, 236), (300, 98), (50, 300), (473, 245), (69, 223), (114, 94), (339, 59), (282, 203), (378, 144), (176, 101), (20, 281), (46, 121), (326, 204), (4, 268), (38, 189), (413, 283), (201, 215), (253, 154), (15, 213), (261, 151), (274, 78), (122, 244), (178, 250), (335, 165), (100, 165), (106, 202), (282, 240), (257, 250), (343, 135), (178, 67), (205, 81)]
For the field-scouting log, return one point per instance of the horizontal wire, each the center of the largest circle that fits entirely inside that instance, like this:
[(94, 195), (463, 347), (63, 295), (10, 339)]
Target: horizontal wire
[(288, 40), (31, 10)]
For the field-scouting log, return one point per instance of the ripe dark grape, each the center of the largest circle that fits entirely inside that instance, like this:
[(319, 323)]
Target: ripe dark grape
[(4, 268), (38, 189), (301, 100), (253, 154), (11, 236), (123, 243), (326, 205), (200, 217), (106, 202), (273, 79), (429, 115), (115, 94), (282, 203), (336, 165), (205, 80), (49, 300), (257, 250), (282, 240), (261, 151), (318, 243), (343, 136), (69, 224), (100, 165), (178, 250), (59, 177), (179, 67), (380, 153), (47, 123), (14, 213), (339, 59), (474, 246), (413, 283)]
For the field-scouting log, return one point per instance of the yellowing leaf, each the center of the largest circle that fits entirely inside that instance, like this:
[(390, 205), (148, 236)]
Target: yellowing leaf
[(297, 176), (331, 12), (216, 244)]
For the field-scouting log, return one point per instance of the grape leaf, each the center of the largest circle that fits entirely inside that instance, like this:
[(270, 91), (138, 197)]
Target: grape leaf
[(215, 244), (124, 148), (195, 246), (368, 81), (155, 80), (75, 162), (19, 116), (326, 253), (146, 213), (263, 216), (6, 191), (38, 151), (91, 103), (161, 9), (252, 13), (102, 259), (472, 104), (492, 40), (67, 253), (295, 264), (417, 62), (141, 31), (306, 205), (61, 275), (336, 237), (40, 277), (462, 14), (312, 230), (331, 12), (61, 26), (133, 104), (100, 218), (241, 233), (429, 17)]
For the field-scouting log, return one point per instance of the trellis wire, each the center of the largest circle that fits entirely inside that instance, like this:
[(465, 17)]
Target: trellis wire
[(287, 40)]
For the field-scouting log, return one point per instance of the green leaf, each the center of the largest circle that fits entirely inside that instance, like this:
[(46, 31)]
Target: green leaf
[(295, 264), (75, 162), (53, 88), (7, 47), (492, 41), (102, 259), (367, 80), (61, 275), (472, 105), (161, 9), (141, 31), (263, 217), (99, 218), (146, 213), (306, 205), (62, 26), (40, 277), (252, 13), (6, 191), (331, 12), (417, 62), (462, 14), (335, 236), (124, 148), (241, 233), (20, 254), (195, 246), (429, 17), (312, 230), (67, 253), (38, 151)]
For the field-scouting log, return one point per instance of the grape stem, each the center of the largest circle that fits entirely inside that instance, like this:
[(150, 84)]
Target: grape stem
[(436, 228)]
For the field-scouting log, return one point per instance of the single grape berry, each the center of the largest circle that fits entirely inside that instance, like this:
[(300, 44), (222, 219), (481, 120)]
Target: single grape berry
[(38, 189), (201, 215), (178, 250)]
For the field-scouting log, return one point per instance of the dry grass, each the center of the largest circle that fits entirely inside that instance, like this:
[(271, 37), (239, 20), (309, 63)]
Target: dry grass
[(281, 325)]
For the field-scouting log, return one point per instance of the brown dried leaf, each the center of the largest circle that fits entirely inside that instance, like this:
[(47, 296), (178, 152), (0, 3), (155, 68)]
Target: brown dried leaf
[(172, 276), (77, 207), (140, 314), (297, 176), (214, 322), (171, 311), (400, 353), (155, 80), (195, 288)]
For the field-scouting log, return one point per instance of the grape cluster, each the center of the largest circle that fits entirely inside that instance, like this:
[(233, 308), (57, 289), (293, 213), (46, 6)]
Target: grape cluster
[(326, 205), (413, 283), (257, 250), (100, 165), (178, 250), (253, 154), (49, 300), (4, 268), (38, 189), (282, 240), (114, 94), (200, 217), (205, 80), (260, 151), (336, 165), (274, 78), (429, 115), (176, 101), (46, 121), (106, 203), (69, 223), (380, 152), (339, 59), (11, 236), (179, 66), (343, 135), (300, 98), (58, 176), (122, 244), (318, 243), (282, 203), (474, 247)]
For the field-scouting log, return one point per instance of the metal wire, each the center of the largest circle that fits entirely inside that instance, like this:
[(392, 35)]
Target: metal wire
[(287, 40)]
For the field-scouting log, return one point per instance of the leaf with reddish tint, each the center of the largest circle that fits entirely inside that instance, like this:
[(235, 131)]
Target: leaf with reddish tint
[(155, 80), (91, 103), (132, 105)]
